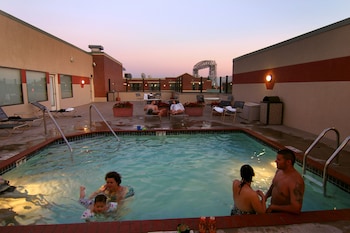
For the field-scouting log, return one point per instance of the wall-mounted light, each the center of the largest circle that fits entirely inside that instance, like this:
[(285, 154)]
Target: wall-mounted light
[(93, 64), (268, 78), (269, 81), (82, 83)]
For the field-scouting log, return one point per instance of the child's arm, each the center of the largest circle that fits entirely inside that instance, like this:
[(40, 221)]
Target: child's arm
[(87, 214)]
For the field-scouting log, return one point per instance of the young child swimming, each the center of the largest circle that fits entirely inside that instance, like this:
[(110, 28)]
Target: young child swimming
[(99, 206)]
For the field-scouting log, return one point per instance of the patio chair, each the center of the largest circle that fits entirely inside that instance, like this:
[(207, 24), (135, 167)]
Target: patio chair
[(11, 128), (178, 114), (200, 99), (218, 110), (232, 111), (150, 115), (5, 118)]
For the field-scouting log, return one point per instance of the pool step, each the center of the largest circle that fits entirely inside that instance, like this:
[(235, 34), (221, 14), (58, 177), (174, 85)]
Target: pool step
[(313, 180)]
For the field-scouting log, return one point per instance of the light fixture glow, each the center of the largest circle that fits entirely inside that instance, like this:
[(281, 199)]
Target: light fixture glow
[(268, 78)]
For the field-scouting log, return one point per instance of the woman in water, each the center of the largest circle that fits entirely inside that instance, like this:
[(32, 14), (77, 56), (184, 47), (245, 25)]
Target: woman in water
[(246, 200), (113, 190)]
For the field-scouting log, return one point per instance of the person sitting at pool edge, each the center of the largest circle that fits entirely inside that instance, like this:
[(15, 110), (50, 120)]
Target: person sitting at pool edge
[(287, 188), (99, 206), (113, 190), (152, 109), (176, 108), (246, 200)]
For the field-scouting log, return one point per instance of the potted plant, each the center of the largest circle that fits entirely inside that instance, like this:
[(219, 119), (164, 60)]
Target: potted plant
[(194, 109), (123, 109)]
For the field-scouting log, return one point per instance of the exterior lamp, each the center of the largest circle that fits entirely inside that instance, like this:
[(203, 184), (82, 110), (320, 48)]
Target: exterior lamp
[(269, 82), (268, 78), (82, 83)]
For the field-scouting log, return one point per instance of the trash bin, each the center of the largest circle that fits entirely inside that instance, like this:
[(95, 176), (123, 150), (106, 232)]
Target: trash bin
[(110, 96), (271, 110)]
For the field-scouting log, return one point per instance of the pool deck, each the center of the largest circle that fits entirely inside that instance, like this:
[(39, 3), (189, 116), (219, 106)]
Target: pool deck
[(73, 123)]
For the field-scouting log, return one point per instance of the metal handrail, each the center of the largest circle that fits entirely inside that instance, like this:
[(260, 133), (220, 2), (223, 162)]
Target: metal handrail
[(59, 129), (44, 109), (322, 134), (330, 159), (99, 113)]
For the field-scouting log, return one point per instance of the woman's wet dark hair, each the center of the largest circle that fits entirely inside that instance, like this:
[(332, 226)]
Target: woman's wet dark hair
[(247, 173), (115, 175)]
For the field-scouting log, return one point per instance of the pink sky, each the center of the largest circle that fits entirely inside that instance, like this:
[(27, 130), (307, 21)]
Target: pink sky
[(166, 38)]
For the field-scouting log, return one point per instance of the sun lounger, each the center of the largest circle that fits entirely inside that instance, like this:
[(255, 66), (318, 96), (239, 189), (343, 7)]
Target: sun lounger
[(12, 128), (5, 118)]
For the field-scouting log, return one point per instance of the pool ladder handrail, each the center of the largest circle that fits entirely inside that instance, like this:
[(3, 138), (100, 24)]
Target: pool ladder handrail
[(57, 127), (329, 160), (104, 120)]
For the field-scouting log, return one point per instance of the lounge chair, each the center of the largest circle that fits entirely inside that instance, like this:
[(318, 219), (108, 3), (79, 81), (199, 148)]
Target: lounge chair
[(218, 110), (150, 115), (178, 114), (232, 111), (5, 118), (11, 128)]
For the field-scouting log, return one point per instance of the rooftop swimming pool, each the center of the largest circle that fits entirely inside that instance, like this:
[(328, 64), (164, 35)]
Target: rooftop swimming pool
[(174, 176)]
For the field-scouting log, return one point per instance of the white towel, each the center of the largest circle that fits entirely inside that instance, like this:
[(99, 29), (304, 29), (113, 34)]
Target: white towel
[(229, 108), (218, 109)]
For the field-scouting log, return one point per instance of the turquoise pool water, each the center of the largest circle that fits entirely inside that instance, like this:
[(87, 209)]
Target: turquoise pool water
[(187, 175)]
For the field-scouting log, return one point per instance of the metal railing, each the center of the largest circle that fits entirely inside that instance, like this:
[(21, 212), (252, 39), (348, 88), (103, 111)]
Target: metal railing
[(99, 113), (44, 109), (324, 176)]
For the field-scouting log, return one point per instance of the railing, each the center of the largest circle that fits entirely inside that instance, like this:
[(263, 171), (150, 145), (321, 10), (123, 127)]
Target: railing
[(99, 113), (330, 159), (59, 130), (324, 177), (44, 109)]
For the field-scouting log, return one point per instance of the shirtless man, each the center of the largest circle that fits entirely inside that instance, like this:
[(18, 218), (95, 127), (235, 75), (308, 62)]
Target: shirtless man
[(152, 109), (287, 188)]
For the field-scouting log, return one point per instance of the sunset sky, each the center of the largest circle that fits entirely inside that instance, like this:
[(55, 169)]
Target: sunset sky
[(166, 38)]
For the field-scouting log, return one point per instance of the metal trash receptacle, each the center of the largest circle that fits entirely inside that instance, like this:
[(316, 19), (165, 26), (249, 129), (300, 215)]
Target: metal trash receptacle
[(110, 96), (271, 110)]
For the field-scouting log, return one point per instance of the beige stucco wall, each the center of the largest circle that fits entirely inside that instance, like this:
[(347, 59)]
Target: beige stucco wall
[(311, 47), (312, 105), (25, 47)]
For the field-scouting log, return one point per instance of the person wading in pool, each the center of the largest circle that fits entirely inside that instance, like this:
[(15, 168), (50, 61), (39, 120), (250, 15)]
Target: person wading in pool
[(113, 190), (287, 188), (246, 200)]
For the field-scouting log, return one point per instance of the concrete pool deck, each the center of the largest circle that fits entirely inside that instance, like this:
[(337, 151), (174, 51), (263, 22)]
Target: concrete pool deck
[(72, 123)]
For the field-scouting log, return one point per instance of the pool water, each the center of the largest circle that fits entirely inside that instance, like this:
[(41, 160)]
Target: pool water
[(187, 175)]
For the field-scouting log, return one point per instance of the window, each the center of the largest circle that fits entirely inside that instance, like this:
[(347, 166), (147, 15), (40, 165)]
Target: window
[(10, 87), (36, 86), (66, 86)]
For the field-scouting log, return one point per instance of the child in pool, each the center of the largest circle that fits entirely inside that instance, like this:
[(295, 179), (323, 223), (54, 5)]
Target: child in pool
[(98, 207)]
